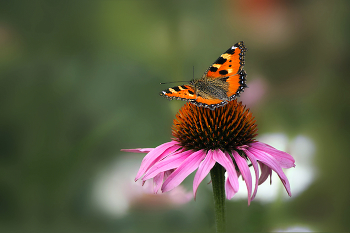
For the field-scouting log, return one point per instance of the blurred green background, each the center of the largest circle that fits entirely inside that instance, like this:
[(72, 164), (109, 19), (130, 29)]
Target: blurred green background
[(79, 80)]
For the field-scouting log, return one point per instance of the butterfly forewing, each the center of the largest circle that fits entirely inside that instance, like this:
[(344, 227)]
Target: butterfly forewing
[(183, 92), (229, 63)]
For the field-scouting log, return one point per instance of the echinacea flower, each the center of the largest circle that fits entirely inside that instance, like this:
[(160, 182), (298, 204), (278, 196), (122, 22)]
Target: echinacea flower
[(203, 138)]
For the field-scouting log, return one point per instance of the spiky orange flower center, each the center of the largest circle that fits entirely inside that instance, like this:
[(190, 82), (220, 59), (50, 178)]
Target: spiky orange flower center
[(223, 128)]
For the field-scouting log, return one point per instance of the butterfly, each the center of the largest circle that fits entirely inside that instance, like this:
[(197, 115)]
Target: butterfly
[(222, 82)]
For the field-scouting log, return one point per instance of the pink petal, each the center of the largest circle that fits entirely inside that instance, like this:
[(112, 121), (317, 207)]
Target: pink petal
[(229, 190), (168, 173), (157, 182), (204, 168), (274, 165), (244, 169), (225, 160), (284, 159), (187, 167), (252, 159), (239, 174), (159, 150), (265, 173), (170, 162), (155, 155), (138, 150)]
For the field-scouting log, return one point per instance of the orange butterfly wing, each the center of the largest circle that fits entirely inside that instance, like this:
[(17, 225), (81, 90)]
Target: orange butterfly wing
[(184, 92), (228, 67), (187, 93)]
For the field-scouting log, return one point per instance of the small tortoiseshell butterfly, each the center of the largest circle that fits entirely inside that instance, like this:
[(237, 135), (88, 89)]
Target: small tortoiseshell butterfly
[(223, 81)]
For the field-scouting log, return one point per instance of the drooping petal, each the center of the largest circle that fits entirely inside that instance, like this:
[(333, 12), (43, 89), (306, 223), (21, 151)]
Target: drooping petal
[(187, 167), (160, 149), (204, 168), (155, 155), (229, 190), (157, 182), (138, 150), (168, 163), (265, 173), (252, 159), (284, 159), (271, 162), (244, 169), (225, 160), (168, 173)]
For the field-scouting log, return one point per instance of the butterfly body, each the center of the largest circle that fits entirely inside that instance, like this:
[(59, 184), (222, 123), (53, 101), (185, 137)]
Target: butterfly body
[(210, 88), (223, 81)]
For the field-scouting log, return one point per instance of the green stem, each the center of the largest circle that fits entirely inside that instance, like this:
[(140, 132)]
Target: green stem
[(217, 174)]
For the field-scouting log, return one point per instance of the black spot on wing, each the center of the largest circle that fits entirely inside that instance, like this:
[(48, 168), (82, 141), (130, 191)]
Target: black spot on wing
[(191, 92), (223, 72), (220, 60), (213, 69), (177, 89)]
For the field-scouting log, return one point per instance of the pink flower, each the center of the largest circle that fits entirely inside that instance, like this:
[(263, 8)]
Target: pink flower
[(205, 137)]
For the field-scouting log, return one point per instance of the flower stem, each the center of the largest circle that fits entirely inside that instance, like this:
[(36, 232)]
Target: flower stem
[(217, 174)]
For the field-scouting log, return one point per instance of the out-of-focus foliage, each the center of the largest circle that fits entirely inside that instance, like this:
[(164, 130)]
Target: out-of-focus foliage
[(79, 80)]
